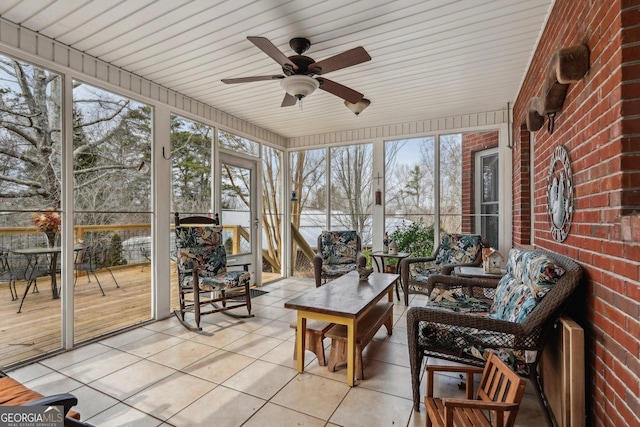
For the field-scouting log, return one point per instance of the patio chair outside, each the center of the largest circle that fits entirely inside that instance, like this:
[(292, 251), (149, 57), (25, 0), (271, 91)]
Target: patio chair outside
[(204, 280), (453, 250), (339, 252)]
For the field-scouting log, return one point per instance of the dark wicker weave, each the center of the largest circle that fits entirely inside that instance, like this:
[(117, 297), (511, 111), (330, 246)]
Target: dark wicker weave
[(411, 286), (448, 329)]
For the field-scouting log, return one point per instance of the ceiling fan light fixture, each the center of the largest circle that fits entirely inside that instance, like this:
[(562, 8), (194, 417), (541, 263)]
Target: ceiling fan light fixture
[(358, 107), (299, 86)]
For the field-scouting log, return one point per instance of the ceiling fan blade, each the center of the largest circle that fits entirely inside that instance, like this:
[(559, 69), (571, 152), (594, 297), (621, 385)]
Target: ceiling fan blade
[(270, 49), (289, 100), (339, 90), (252, 79), (354, 56)]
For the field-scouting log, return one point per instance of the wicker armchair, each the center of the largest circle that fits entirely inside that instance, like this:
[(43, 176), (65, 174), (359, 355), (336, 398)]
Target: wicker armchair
[(463, 335), (338, 254), (454, 250)]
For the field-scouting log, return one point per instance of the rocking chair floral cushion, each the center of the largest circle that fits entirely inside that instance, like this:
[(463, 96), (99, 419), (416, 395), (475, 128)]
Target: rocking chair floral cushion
[(201, 248), (203, 274)]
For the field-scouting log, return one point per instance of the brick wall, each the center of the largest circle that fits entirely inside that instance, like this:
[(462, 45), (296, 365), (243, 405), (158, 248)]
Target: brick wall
[(600, 127), (471, 144)]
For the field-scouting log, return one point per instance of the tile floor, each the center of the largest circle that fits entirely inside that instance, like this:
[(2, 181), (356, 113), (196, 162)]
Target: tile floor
[(238, 373)]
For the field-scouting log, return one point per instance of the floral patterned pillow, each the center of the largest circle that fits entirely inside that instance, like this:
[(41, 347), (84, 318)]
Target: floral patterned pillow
[(339, 247), (529, 277), (457, 249)]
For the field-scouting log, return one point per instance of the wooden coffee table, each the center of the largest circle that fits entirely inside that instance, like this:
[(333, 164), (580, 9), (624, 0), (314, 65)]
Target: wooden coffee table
[(344, 301)]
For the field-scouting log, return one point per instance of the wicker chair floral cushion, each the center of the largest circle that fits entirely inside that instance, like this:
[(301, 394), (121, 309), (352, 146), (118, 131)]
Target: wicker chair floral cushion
[(458, 302), (529, 277), (339, 247), (201, 248), (454, 249), (457, 249)]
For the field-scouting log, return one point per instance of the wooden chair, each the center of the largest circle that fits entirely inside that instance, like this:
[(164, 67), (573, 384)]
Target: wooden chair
[(453, 250), (460, 336), (13, 393), (204, 280), (499, 393)]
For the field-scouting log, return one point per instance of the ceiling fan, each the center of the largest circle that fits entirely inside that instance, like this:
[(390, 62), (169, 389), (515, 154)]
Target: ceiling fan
[(299, 71)]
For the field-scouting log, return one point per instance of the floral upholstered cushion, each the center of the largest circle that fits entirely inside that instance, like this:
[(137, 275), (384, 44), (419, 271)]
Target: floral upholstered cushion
[(200, 248), (339, 247), (529, 277), (457, 249), (536, 270), (457, 302)]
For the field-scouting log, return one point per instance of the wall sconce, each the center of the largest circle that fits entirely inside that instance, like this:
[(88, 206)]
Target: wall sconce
[(294, 197), (358, 107)]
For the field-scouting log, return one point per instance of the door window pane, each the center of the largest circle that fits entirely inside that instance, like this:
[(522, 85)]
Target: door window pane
[(272, 213)]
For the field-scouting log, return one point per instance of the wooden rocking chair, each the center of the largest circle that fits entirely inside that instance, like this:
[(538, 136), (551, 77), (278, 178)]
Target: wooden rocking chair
[(204, 280)]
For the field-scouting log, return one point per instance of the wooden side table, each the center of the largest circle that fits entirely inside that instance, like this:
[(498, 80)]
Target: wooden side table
[(379, 258)]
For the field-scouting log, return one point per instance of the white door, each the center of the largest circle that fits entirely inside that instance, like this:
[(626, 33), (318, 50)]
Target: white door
[(238, 201)]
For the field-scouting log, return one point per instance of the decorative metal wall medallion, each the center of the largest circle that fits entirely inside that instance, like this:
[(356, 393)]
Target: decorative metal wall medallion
[(560, 194)]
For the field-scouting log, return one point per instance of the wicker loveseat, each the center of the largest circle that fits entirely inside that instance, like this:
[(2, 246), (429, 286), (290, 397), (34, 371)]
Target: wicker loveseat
[(465, 318)]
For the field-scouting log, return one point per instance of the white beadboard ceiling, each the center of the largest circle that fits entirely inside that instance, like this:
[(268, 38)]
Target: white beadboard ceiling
[(430, 59)]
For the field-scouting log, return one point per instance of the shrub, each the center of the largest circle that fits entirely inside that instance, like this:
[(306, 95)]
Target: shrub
[(416, 238)]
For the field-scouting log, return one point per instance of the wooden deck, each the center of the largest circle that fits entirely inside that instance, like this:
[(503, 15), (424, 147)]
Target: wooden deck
[(36, 330)]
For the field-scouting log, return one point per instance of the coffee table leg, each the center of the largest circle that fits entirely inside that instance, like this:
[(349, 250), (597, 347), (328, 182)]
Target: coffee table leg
[(301, 330), (352, 333)]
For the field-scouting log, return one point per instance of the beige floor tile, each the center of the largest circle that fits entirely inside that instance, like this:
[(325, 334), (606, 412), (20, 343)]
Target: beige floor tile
[(184, 354), (283, 355), (250, 325), (53, 383), (98, 366), (312, 395), (390, 352), (253, 345), (271, 415), (219, 366), (170, 395), (75, 356), (151, 345), (267, 300), (271, 312), (122, 415), (388, 378), (363, 407), (220, 338), (131, 379), (92, 402), (220, 407), (30, 372), (126, 337), (277, 329), (261, 379)]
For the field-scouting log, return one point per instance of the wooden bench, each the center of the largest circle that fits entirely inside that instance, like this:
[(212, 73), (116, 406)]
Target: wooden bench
[(314, 339), (14, 393), (368, 326)]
